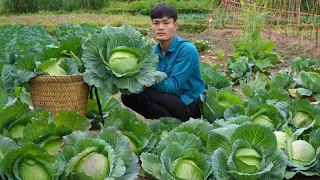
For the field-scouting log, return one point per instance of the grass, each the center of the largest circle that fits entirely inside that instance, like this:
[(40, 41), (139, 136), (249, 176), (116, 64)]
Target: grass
[(52, 20)]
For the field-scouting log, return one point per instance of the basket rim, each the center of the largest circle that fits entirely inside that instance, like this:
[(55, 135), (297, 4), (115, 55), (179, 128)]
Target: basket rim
[(67, 78)]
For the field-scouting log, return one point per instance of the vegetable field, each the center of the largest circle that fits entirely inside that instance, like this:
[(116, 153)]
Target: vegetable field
[(260, 112)]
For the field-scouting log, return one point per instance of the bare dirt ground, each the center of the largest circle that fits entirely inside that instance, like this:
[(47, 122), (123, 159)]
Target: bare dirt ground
[(221, 39)]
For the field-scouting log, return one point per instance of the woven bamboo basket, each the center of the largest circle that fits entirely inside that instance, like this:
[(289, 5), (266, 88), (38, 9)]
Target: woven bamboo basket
[(59, 92)]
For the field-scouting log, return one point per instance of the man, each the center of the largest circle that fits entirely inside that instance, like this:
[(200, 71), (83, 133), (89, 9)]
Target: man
[(178, 95)]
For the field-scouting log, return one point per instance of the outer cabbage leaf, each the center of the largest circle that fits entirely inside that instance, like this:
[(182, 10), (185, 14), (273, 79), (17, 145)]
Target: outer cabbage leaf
[(160, 128), (13, 160), (7, 145), (184, 139), (248, 136), (176, 162), (310, 80), (216, 79), (174, 153), (110, 143), (198, 127), (97, 51), (167, 124), (46, 135), (130, 125), (305, 64), (256, 134), (17, 113), (249, 86), (257, 110), (284, 78), (218, 101), (72, 120), (221, 137), (239, 68), (312, 168)]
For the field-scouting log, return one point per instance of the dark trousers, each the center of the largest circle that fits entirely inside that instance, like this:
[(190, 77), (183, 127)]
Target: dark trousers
[(153, 104)]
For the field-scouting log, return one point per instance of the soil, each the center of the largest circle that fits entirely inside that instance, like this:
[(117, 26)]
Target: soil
[(288, 48)]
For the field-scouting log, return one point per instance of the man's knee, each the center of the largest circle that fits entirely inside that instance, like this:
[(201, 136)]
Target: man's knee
[(146, 96), (128, 100)]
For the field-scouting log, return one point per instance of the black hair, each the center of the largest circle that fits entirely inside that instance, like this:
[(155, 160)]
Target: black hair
[(164, 10)]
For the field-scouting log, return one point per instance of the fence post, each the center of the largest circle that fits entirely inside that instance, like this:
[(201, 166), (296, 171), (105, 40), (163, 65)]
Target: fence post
[(223, 13), (317, 30)]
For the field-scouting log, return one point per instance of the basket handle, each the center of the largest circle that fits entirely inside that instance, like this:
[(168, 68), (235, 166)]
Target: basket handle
[(98, 101)]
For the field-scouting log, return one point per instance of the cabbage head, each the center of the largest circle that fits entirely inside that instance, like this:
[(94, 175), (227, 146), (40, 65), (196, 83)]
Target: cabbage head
[(247, 160), (302, 152), (264, 120), (179, 156), (281, 139), (124, 59), (188, 169), (246, 151), (31, 169), (17, 131), (106, 155), (28, 162), (302, 119), (94, 165), (118, 59)]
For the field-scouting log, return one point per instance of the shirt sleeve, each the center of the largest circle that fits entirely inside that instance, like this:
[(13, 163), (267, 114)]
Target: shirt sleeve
[(183, 68)]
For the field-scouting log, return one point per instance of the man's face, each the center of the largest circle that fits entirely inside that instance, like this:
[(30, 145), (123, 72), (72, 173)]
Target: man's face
[(164, 28)]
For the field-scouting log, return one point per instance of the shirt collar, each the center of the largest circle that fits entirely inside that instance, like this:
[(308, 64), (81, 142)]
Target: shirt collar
[(172, 47), (173, 44)]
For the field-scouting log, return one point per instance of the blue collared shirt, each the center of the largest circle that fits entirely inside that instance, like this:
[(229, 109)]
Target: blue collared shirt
[(181, 63)]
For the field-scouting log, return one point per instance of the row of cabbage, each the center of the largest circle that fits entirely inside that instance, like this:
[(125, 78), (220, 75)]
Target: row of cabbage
[(254, 137), (62, 146)]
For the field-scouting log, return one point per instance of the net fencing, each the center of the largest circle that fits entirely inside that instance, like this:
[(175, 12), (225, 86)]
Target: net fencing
[(291, 21)]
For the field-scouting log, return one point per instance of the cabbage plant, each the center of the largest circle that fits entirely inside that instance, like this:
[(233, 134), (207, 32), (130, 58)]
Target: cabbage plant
[(47, 131), (7, 145), (160, 129), (303, 113), (27, 162), (55, 60), (284, 78), (14, 119), (304, 154), (107, 155), (126, 121), (178, 156), (217, 102), (117, 58), (307, 85), (247, 151), (263, 114)]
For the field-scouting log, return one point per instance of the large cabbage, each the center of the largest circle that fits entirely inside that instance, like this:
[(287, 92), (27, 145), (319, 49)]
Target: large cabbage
[(248, 151), (118, 58), (107, 155)]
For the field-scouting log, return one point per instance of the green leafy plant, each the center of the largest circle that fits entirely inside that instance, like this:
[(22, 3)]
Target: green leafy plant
[(217, 101), (220, 54), (102, 72), (178, 156), (303, 153), (242, 153), (202, 45), (126, 121), (105, 155)]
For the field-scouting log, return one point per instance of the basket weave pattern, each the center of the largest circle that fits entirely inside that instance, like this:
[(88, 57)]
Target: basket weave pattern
[(59, 92)]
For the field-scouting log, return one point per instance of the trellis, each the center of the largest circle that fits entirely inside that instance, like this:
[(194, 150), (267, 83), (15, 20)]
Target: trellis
[(284, 18)]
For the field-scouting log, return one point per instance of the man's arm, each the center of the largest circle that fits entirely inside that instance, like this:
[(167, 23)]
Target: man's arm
[(185, 64)]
